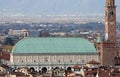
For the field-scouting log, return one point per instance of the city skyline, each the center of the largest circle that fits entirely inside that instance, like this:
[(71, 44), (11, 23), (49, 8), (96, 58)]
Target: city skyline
[(53, 7)]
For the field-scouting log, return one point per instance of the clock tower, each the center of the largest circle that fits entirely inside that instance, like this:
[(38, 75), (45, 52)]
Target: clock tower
[(108, 48), (110, 21)]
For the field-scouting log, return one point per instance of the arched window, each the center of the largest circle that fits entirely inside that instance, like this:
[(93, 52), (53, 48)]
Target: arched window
[(111, 12)]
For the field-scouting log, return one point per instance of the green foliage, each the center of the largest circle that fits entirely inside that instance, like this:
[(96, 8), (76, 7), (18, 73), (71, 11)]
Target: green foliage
[(8, 41)]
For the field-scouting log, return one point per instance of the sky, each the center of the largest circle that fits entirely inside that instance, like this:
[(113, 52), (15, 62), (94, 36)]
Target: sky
[(53, 7)]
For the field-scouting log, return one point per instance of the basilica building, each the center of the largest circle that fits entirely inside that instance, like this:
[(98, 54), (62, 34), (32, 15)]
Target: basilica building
[(50, 53)]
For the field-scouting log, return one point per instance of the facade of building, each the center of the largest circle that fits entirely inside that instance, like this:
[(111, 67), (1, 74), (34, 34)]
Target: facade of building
[(50, 53), (23, 32)]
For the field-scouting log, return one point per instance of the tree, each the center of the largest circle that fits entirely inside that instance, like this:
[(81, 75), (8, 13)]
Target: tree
[(8, 41)]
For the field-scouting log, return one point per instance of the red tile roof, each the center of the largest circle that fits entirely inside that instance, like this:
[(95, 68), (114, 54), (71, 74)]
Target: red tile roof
[(77, 67), (103, 71), (93, 62), (91, 72), (109, 72), (4, 55), (2, 74), (18, 74)]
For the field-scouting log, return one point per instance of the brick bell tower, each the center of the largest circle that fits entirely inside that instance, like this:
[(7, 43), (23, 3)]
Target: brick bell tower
[(110, 21), (108, 47)]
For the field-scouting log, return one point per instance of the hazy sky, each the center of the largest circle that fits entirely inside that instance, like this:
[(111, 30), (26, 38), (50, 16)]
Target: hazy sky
[(53, 7)]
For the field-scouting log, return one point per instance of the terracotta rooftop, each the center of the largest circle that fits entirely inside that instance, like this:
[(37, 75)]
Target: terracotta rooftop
[(91, 71), (2, 74), (93, 62), (18, 74), (102, 71), (77, 67), (109, 72), (4, 55)]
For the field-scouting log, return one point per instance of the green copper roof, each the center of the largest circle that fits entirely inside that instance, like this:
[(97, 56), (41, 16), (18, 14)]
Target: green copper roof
[(53, 45)]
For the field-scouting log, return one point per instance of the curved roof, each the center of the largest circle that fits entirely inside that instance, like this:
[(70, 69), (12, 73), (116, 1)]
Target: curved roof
[(53, 45)]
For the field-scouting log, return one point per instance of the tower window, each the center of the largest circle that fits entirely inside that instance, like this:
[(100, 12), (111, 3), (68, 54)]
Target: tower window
[(111, 13)]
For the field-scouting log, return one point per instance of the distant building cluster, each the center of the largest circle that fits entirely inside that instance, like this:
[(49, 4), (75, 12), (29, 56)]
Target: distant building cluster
[(23, 32)]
